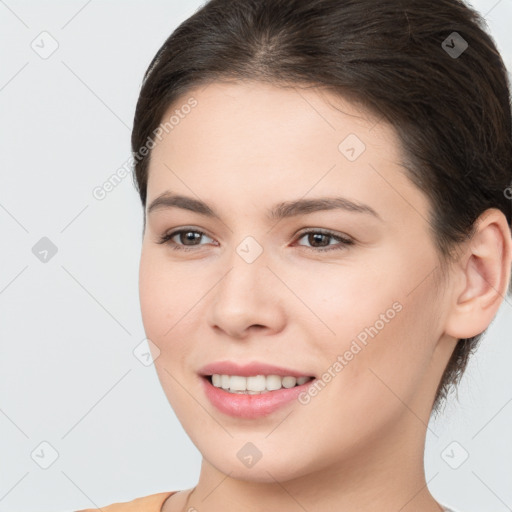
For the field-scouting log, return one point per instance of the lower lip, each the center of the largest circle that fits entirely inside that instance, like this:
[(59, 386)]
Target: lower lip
[(251, 406)]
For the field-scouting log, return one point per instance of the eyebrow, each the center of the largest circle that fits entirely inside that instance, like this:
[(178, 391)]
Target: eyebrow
[(280, 211)]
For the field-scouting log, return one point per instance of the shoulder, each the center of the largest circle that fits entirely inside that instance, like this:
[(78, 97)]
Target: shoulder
[(151, 503)]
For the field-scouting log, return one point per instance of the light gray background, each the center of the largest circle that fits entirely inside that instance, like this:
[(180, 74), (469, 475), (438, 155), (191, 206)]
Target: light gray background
[(68, 327)]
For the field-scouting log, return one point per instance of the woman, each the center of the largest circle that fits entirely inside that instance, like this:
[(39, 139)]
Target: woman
[(326, 193)]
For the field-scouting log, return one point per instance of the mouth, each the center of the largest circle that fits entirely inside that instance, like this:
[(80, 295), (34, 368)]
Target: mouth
[(253, 396)]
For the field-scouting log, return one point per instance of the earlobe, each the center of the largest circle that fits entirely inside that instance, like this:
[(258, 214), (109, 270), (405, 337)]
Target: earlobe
[(485, 269)]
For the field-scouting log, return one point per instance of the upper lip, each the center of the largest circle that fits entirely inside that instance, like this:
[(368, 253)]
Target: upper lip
[(248, 369)]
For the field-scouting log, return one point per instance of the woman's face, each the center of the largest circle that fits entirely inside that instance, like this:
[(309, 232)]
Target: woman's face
[(364, 317)]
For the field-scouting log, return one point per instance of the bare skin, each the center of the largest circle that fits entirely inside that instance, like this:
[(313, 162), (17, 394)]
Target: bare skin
[(359, 443)]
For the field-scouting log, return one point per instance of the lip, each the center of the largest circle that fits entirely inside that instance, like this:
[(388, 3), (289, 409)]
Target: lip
[(251, 406), (249, 369)]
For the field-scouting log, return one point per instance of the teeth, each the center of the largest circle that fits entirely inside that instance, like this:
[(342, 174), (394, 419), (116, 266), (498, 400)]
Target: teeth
[(224, 381), (257, 384)]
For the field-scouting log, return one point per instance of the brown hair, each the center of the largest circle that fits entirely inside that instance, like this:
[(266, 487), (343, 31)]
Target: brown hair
[(399, 60)]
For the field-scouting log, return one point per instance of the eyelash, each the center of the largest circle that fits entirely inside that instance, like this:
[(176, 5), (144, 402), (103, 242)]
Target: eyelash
[(167, 239)]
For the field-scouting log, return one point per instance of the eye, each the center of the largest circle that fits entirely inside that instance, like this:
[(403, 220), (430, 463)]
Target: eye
[(315, 236), (183, 235), (188, 237)]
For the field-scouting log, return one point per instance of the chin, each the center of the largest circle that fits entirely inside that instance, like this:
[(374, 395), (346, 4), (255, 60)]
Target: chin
[(275, 466)]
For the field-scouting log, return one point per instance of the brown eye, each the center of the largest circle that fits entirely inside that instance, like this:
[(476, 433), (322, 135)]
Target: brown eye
[(320, 240), (186, 239)]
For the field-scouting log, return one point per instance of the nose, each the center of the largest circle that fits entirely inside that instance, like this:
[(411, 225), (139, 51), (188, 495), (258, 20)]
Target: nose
[(248, 299)]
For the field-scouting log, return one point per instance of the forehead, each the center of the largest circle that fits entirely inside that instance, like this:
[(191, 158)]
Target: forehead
[(253, 141), (267, 117), (253, 122)]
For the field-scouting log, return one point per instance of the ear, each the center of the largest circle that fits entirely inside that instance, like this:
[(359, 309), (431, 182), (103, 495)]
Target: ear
[(483, 275)]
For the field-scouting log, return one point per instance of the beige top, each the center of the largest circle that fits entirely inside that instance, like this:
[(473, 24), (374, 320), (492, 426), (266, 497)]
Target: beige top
[(151, 503)]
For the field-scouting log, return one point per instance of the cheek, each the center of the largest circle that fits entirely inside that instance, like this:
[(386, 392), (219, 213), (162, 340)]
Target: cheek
[(384, 329), (165, 294), (153, 300), (348, 298), (166, 300), (172, 295), (391, 365)]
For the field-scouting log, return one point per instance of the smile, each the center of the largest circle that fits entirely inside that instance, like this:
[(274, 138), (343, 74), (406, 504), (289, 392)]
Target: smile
[(251, 403)]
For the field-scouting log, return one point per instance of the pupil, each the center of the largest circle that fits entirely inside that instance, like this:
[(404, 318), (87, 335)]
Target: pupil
[(318, 237), (190, 235)]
